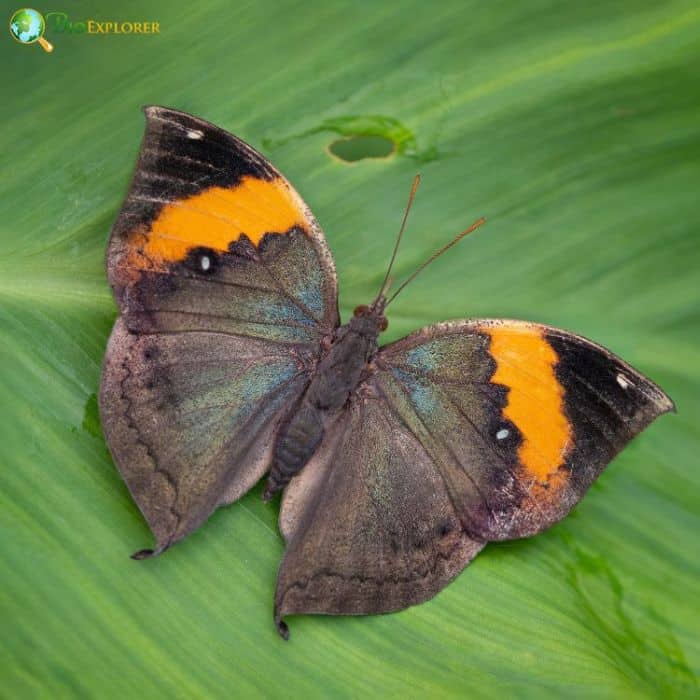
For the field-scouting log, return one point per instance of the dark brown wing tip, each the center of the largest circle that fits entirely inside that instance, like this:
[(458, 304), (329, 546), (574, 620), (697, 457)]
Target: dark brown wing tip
[(148, 110), (155, 112), (152, 111), (663, 402), (150, 553), (143, 554), (282, 628)]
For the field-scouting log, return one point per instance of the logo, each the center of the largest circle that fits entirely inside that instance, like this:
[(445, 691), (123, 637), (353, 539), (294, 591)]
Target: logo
[(63, 25), (27, 26)]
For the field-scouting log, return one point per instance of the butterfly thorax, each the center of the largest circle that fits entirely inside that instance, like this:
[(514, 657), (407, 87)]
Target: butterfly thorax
[(337, 375)]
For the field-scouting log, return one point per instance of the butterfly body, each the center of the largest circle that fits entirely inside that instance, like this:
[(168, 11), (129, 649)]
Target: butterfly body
[(398, 463), (334, 380)]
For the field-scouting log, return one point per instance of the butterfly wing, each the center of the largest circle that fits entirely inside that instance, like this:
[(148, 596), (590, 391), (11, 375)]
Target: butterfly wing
[(190, 419), (211, 236), (465, 432), (521, 417), (369, 523), (225, 287)]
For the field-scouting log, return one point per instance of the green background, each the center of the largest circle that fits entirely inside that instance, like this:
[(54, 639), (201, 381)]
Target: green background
[(573, 127)]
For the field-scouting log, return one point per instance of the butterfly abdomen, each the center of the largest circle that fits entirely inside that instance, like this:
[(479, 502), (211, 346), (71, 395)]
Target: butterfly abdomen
[(295, 445)]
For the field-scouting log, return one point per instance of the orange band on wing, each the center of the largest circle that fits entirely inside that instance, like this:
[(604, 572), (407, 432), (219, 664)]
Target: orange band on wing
[(217, 217), (525, 364)]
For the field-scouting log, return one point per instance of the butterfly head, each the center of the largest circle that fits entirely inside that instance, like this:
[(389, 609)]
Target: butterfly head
[(370, 319)]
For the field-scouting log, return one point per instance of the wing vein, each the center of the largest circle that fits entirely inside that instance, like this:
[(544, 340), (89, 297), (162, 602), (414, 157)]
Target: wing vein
[(227, 317)]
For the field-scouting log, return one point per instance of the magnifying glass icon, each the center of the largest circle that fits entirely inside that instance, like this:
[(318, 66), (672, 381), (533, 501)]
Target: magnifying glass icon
[(27, 26)]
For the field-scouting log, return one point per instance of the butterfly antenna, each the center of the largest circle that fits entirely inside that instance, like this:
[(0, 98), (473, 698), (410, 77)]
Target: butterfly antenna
[(437, 254), (411, 197)]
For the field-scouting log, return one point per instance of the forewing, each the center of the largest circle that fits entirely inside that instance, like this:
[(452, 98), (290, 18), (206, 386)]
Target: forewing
[(369, 523), (190, 420), (521, 418), (212, 237), (225, 287)]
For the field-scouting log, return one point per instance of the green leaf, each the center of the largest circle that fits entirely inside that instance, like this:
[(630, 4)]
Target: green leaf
[(573, 127)]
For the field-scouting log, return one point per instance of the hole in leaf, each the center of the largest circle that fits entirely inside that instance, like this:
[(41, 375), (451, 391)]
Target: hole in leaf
[(354, 148)]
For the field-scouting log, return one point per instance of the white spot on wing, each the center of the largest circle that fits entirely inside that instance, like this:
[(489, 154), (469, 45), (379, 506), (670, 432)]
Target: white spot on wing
[(502, 434), (195, 134), (623, 381), (205, 262)]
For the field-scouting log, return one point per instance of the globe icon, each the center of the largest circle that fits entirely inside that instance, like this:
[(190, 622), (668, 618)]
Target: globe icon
[(27, 26)]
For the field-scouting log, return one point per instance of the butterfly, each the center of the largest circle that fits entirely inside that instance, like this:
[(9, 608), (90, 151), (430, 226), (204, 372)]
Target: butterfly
[(398, 463)]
